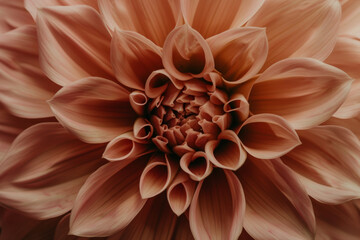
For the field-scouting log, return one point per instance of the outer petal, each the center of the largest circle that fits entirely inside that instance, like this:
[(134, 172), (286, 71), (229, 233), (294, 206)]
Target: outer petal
[(352, 124), (186, 54), (154, 19), (13, 15), (211, 17), (350, 17), (337, 221), (94, 109), (18, 227), (239, 53), (73, 44), (328, 162), (44, 170), (346, 56), (24, 89), (299, 28), (134, 58), (267, 136), (218, 206), (277, 206), (109, 200), (304, 91)]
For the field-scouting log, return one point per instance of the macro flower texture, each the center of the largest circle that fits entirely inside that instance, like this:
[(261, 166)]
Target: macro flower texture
[(180, 119)]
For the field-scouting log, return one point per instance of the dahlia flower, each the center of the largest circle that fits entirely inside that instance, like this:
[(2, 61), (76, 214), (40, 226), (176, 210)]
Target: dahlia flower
[(180, 119)]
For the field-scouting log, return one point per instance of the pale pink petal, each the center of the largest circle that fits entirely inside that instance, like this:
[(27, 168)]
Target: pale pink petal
[(238, 106), (138, 101), (337, 221), (277, 206), (218, 207), (143, 130), (44, 169), (154, 221), (346, 56), (328, 163), (94, 109), (298, 28), (13, 15), (19, 227), (34, 5), (239, 53), (134, 58), (73, 44), (210, 17), (24, 89), (196, 164), (304, 91), (154, 19), (186, 54), (126, 146), (157, 83), (226, 152), (157, 175), (350, 17), (352, 124), (268, 136), (109, 200), (180, 193)]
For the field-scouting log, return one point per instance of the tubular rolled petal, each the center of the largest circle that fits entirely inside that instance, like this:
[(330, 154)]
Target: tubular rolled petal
[(196, 164)]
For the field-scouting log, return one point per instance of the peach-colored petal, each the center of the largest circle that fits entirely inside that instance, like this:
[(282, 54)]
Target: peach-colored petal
[(24, 89), (44, 169), (226, 152), (182, 229), (218, 207), (268, 136), (245, 236), (298, 28), (180, 193), (196, 164), (350, 17), (210, 17), (154, 19), (239, 53), (328, 163), (337, 221), (346, 56), (304, 91), (126, 146), (77, 36), (13, 15), (34, 5), (157, 175), (19, 227), (157, 83), (154, 221), (134, 58), (142, 129), (109, 200), (138, 101), (352, 124), (277, 206), (94, 109), (186, 54), (238, 106)]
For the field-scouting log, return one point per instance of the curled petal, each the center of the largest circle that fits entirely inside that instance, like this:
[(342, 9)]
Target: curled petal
[(304, 91), (44, 169), (238, 106), (180, 193), (134, 58), (268, 136), (24, 89), (157, 83), (350, 17), (126, 146), (224, 14), (109, 200), (186, 54), (154, 20), (226, 152), (94, 109), (218, 207), (239, 53), (277, 206), (196, 164), (298, 28), (143, 129), (138, 101), (328, 163), (157, 175), (77, 35)]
